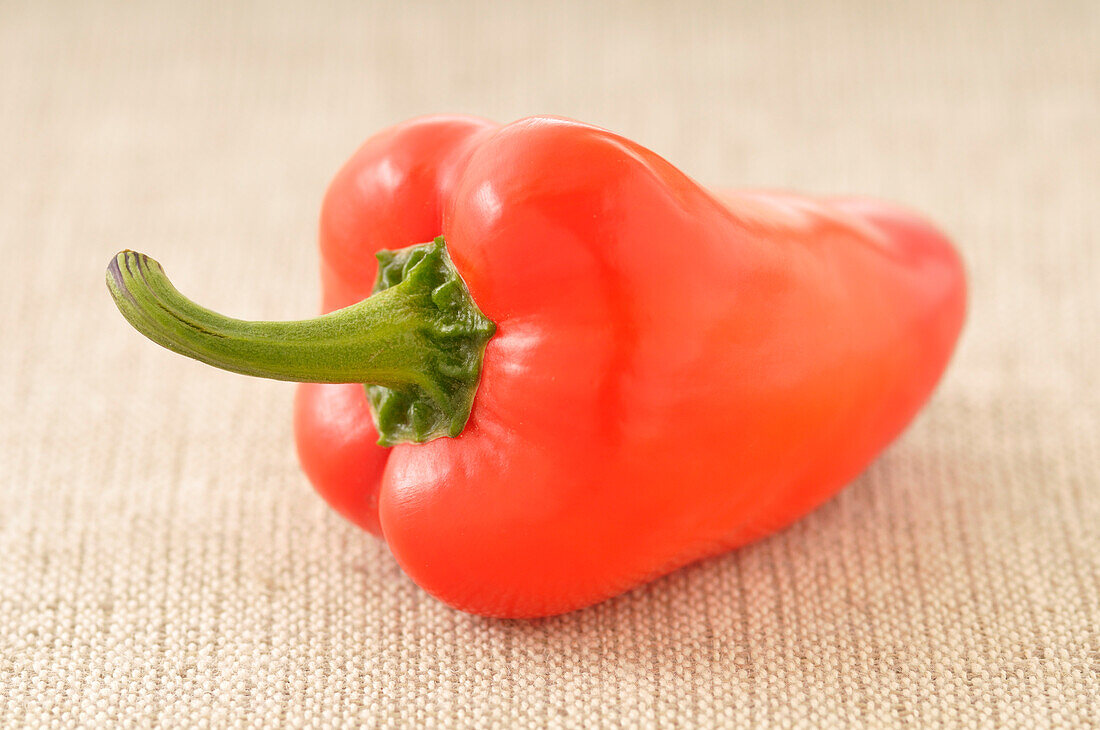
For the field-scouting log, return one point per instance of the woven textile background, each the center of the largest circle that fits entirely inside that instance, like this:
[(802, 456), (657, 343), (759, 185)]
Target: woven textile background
[(165, 563)]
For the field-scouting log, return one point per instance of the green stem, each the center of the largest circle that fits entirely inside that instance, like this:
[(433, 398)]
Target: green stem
[(417, 343)]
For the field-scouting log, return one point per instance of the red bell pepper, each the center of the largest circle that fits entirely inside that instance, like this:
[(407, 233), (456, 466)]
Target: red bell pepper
[(661, 372)]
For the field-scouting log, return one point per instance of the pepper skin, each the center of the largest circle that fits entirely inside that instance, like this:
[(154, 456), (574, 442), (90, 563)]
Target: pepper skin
[(674, 372)]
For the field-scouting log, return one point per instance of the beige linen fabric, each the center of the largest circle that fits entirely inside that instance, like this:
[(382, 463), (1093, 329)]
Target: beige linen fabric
[(166, 564)]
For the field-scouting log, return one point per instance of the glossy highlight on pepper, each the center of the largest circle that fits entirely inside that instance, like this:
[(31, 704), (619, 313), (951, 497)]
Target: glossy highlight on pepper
[(596, 370)]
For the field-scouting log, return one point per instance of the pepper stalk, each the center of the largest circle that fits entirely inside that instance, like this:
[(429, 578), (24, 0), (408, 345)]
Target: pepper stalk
[(416, 344)]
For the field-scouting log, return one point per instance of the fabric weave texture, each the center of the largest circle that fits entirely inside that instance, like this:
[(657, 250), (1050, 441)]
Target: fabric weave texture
[(165, 563)]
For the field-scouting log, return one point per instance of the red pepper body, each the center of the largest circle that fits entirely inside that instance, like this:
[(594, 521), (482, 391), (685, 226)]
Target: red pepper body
[(675, 372)]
